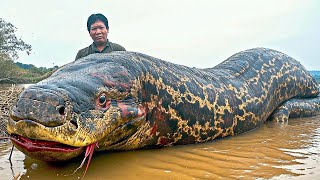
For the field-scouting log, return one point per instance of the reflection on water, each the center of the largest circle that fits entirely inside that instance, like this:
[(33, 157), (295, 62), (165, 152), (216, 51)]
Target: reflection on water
[(275, 151)]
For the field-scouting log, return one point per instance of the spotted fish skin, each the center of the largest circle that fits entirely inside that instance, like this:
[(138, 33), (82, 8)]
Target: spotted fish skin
[(296, 108), (129, 100), (188, 105)]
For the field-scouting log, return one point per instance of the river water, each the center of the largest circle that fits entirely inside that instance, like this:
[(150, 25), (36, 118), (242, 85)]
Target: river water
[(273, 151)]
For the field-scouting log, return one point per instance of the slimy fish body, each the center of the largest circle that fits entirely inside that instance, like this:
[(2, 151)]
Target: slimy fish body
[(128, 100)]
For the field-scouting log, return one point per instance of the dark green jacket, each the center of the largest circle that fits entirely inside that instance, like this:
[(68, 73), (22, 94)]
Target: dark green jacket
[(93, 49)]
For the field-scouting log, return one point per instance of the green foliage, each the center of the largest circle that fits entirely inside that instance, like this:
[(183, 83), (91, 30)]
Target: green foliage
[(8, 70), (11, 73), (24, 66), (9, 43)]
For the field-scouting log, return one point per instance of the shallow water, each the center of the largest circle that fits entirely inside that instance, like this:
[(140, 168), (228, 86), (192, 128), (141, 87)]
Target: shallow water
[(273, 151)]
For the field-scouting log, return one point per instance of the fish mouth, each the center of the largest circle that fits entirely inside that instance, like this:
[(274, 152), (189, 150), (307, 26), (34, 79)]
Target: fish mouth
[(45, 150), (41, 145), (42, 148)]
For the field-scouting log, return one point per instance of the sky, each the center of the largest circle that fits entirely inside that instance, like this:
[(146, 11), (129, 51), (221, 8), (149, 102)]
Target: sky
[(196, 33)]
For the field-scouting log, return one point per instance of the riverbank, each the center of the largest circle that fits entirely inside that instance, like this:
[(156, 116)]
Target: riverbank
[(8, 96), (19, 73)]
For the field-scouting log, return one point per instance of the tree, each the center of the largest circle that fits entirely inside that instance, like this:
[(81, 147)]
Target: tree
[(9, 43), (8, 71)]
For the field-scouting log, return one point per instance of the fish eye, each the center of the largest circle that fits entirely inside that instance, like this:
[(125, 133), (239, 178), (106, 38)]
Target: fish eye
[(102, 99)]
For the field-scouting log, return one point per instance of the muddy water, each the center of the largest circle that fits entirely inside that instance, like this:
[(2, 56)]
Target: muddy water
[(276, 151)]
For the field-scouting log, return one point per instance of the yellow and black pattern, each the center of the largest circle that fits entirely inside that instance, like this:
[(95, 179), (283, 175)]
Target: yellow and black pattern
[(128, 100), (188, 105)]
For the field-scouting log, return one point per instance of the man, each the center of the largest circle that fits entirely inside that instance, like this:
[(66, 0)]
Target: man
[(98, 29)]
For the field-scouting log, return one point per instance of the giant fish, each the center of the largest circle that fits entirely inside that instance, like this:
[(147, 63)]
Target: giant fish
[(129, 100)]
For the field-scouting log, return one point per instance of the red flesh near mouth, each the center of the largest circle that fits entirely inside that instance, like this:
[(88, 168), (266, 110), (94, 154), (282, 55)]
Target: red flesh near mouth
[(32, 145), (89, 152)]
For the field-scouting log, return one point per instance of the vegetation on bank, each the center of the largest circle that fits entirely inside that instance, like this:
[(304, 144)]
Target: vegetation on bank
[(18, 73), (15, 73)]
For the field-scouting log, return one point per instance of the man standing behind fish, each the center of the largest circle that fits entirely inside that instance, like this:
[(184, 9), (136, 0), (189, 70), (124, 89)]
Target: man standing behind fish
[(98, 28)]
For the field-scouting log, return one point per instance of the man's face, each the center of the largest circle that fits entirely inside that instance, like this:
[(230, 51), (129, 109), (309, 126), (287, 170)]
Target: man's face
[(99, 32)]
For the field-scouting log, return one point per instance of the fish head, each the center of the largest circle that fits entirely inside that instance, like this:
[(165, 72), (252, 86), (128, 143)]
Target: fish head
[(90, 101)]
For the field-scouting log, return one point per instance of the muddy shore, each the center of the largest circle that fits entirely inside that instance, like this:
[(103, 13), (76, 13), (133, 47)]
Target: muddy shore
[(8, 96)]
